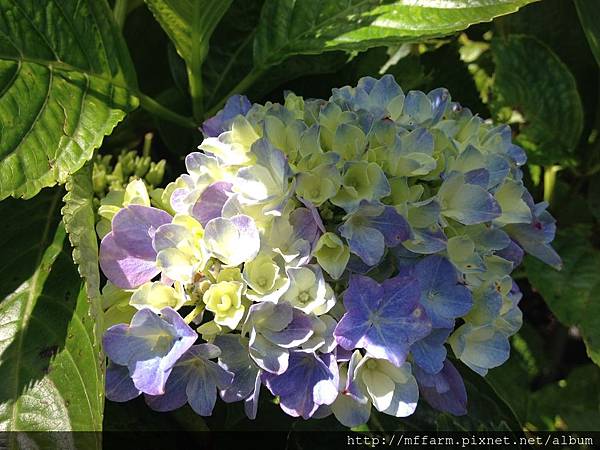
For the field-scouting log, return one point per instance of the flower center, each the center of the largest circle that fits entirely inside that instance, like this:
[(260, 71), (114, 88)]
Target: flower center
[(225, 303), (303, 297)]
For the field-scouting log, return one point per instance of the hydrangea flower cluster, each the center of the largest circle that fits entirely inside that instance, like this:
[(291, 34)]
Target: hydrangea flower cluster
[(327, 250)]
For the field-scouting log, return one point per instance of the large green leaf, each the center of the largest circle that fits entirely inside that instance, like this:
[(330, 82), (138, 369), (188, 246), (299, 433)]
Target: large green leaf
[(573, 294), (570, 404), (79, 218), (65, 76), (189, 24), (230, 54), (291, 27), (50, 364), (532, 80), (590, 21)]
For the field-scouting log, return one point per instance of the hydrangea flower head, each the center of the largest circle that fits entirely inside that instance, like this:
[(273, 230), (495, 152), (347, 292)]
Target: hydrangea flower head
[(337, 252)]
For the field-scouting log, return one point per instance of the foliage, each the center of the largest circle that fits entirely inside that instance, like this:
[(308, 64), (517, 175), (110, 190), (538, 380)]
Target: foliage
[(70, 100)]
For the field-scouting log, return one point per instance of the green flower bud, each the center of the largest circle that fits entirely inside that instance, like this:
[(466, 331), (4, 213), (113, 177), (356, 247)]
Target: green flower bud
[(332, 254), (264, 277), (308, 291), (156, 173), (142, 165), (350, 142), (319, 185), (230, 274), (224, 300), (362, 181), (156, 296), (295, 104), (127, 163)]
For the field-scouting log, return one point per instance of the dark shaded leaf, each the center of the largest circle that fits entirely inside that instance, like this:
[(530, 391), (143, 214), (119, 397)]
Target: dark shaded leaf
[(531, 79)]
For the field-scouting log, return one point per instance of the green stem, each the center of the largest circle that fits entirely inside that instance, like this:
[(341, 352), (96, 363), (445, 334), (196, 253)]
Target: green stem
[(550, 182), (206, 16), (155, 108), (195, 313), (206, 271), (199, 52), (120, 12), (242, 86)]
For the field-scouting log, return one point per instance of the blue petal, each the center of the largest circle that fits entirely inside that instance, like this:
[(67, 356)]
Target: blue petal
[(308, 383), (443, 298), (444, 391), (384, 323), (119, 385), (235, 359), (429, 353), (221, 122)]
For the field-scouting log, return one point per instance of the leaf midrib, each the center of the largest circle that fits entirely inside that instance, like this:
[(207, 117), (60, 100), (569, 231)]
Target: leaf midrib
[(58, 66)]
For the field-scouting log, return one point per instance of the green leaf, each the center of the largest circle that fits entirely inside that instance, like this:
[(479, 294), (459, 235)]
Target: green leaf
[(50, 364), (588, 15), (532, 80), (571, 404), (291, 27), (65, 76), (594, 196), (230, 54), (572, 293), (80, 220), (189, 24)]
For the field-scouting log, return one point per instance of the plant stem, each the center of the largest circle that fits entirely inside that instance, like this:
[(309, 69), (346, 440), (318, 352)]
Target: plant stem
[(195, 313), (155, 108), (120, 12), (242, 86), (550, 182)]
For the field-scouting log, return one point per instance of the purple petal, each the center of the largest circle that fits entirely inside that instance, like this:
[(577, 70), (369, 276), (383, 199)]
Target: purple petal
[(298, 331), (211, 201), (429, 353), (150, 346), (119, 385), (202, 394), (236, 105), (235, 359), (443, 297), (512, 253), (251, 403), (307, 384), (315, 213), (393, 226), (384, 320), (175, 392), (444, 391), (123, 269), (440, 99), (268, 356), (133, 228), (427, 241), (304, 225)]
